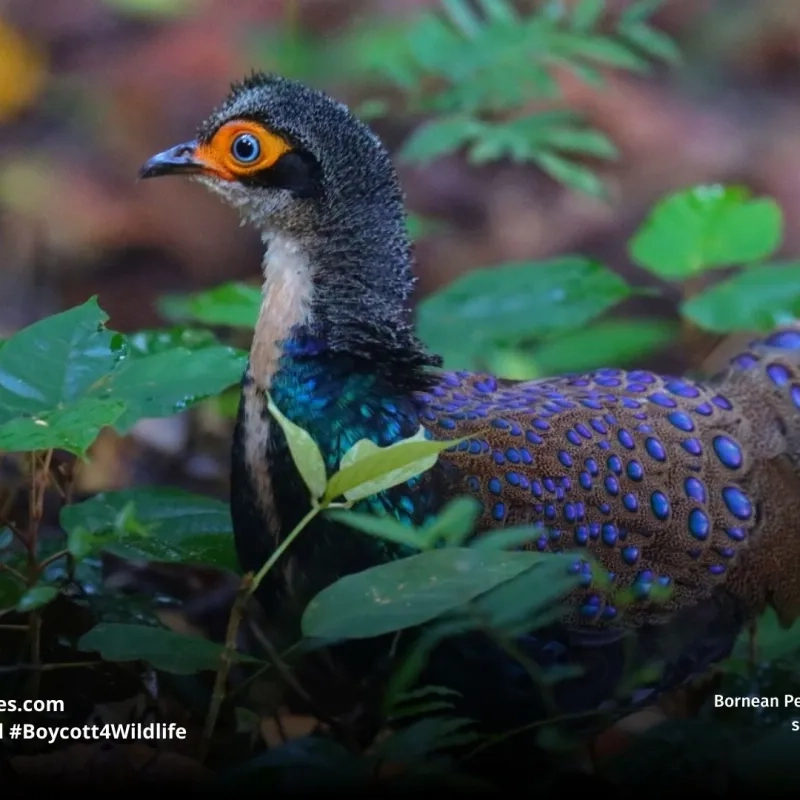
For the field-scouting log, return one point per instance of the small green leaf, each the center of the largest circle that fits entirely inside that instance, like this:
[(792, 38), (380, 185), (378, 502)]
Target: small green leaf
[(653, 42), (36, 597), (507, 538), (438, 137), (367, 469), (757, 298), (232, 304), (156, 523), (409, 591), (163, 649), (386, 528), (11, 590), (72, 428), (455, 522), (305, 453), (640, 10), (570, 174), (706, 227), (150, 342), (586, 14), (604, 50)]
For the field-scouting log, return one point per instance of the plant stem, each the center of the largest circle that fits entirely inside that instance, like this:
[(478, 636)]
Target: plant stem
[(50, 559), (11, 571), (283, 546), (226, 659), (248, 585)]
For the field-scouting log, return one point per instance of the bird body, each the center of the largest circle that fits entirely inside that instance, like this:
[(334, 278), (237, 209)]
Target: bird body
[(667, 483)]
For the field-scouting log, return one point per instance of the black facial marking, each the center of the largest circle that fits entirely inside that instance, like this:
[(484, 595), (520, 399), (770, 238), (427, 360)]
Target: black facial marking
[(297, 171)]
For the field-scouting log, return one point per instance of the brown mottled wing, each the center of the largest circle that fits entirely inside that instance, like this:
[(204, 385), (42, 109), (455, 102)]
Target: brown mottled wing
[(650, 475)]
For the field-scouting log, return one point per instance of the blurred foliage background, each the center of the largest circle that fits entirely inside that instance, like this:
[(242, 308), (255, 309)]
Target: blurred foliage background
[(89, 89)]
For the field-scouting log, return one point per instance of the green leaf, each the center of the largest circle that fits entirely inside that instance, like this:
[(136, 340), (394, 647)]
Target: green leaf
[(409, 592), (150, 342), (640, 10), (651, 41), (157, 524), (570, 174), (773, 642), (366, 469), (507, 538), (455, 522), (169, 382), (515, 302), (163, 649), (758, 298), (11, 590), (438, 137), (231, 304), (586, 14), (56, 361), (36, 597), (706, 227), (72, 428), (617, 342), (386, 528), (604, 50), (305, 453)]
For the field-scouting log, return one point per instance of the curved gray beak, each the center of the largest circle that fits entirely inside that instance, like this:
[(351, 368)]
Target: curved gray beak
[(178, 160)]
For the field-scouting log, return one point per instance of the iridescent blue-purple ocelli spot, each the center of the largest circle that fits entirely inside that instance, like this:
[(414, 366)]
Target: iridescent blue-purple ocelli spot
[(541, 424), (630, 501), (722, 402), (704, 409), (663, 400), (728, 452), (604, 508), (625, 439), (795, 394), (549, 484), (630, 555), (744, 361), (513, 478), (583, 431), (564, 458), (533, 438), (495, 487), (610, 533), (717, 569), (609, 612), (569, 512), (573, 437), (512, 454), (681, 389), (585, 480), (581, 534), (498, 457), (474, 484), (692, 446), (591, 606), (536, 488), (736, 533), (660, 505), (778, 374), (598, 425), (726, 552), (655, 449), (699, 525), (614, 463), (737, 502), (499, 511), (695, 490), (550, 512), (681, 421), (591, 467), (594, 530), (634, 470), (611, 484), (786, 340)]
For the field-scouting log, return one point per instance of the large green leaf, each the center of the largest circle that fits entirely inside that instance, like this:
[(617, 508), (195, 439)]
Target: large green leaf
[(170, 381), (758, 298), (164, 649), (410, 591), (515, 302), (56, 361), (72, 428), (707, 227), (159, 524)]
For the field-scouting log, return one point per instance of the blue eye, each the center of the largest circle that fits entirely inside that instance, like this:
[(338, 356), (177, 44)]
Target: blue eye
[(245, 148)]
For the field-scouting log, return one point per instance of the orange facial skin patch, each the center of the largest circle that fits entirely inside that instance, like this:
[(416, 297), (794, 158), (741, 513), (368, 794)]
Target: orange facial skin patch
[(217, 157)]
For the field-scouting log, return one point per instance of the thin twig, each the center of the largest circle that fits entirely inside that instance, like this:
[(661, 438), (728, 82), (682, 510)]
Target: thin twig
[(11, 571), (226, 660), (49, 667)]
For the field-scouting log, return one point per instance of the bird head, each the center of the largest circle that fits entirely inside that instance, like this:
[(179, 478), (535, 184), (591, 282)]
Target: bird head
[(291, 159)]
